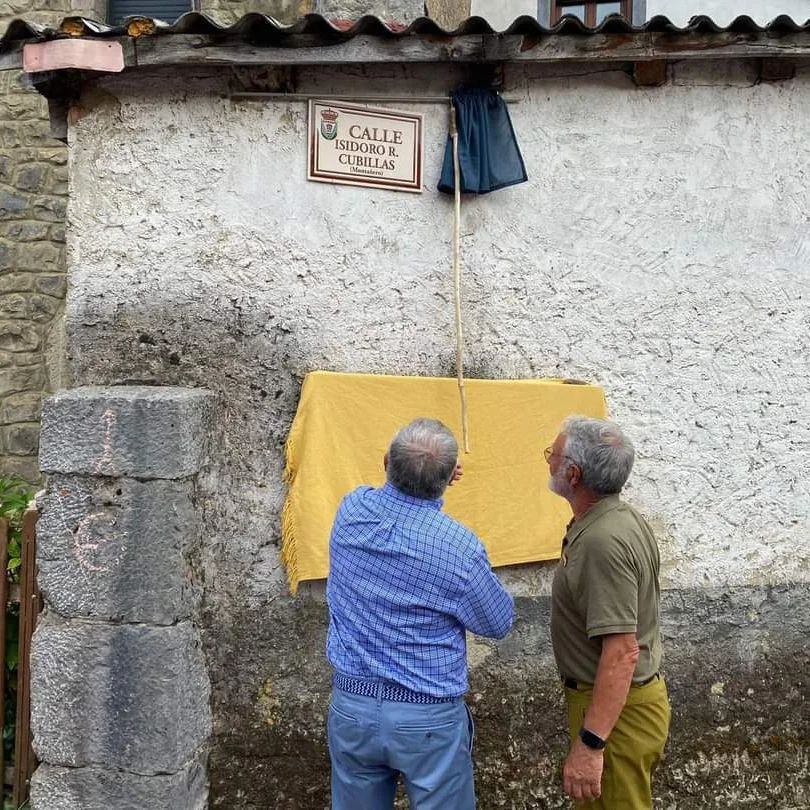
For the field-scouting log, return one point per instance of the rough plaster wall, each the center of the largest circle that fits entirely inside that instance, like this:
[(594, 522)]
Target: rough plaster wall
[(659, 249), (724, 11)]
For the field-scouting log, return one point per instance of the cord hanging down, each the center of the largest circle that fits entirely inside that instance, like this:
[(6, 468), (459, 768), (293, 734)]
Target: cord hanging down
[(457, 279)]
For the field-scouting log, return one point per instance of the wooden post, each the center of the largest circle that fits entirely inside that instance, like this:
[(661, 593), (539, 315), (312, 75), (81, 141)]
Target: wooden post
[(24, 761), (3, 613)]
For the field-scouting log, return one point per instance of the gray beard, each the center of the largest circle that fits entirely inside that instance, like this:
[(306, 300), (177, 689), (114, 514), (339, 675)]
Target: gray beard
[(559, 486)]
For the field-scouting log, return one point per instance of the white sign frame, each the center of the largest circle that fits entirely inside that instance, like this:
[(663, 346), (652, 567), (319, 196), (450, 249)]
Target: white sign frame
[(393, 137)]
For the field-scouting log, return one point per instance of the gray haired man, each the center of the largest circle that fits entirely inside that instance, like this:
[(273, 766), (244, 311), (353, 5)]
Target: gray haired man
[(605, 622), (405, 582)]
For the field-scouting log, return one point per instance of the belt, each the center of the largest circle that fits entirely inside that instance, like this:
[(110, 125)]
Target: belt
[(572, 683), (385, 690)]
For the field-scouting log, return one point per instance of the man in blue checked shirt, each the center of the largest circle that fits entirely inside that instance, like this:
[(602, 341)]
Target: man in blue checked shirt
[(405, 582)]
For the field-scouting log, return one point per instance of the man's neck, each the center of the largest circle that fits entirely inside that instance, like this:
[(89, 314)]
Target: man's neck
[(582, 501)]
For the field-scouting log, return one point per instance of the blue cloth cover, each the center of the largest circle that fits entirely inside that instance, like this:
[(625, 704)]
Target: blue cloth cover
[(488, 153)]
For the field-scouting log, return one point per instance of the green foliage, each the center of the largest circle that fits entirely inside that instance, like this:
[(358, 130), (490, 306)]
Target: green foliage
[(15, 495)]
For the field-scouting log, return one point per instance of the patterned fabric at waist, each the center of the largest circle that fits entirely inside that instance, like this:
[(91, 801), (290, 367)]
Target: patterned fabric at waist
[(385, 690)]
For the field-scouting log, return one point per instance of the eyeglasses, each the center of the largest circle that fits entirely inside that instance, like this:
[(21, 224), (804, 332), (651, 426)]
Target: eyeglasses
[(548, 453)]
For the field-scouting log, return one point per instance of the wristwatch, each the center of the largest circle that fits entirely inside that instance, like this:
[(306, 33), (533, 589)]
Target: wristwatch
[(592, 740)]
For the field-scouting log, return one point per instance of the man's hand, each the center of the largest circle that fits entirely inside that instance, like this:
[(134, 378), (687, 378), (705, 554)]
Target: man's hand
[(582, 772), (456, 476)]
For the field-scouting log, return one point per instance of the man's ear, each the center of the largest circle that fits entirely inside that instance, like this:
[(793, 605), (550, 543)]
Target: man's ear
[(575, 475)]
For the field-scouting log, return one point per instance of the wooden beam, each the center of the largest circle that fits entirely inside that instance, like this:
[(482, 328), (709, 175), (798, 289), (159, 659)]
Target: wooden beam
[(57, 118), (197, 49), (777, 70), (650, 74), (11, 59), (193, 49)]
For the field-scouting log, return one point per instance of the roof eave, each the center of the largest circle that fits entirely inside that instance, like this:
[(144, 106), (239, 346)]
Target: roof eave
[(205, 50)]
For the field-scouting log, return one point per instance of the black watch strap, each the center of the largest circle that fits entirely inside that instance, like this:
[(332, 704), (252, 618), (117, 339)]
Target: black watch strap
[(592, 740)]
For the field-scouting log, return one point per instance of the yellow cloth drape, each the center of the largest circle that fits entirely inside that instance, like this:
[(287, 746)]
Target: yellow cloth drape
[(345, 423)]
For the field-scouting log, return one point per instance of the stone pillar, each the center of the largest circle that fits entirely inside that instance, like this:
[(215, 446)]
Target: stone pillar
[(119, 688)]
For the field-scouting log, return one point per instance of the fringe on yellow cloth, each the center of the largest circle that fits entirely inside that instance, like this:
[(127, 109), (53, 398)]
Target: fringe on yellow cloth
[(345, 423)]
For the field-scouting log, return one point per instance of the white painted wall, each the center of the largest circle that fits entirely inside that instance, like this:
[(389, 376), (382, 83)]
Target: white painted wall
[(724, 11), (661, 249), (500, 13)]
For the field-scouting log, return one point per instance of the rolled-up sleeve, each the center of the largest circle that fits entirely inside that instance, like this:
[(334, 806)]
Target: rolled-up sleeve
[(485, 607)]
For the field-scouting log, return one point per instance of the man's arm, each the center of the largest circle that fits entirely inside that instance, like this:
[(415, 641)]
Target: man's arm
[(617, 663), (582, 772), (485, 608)]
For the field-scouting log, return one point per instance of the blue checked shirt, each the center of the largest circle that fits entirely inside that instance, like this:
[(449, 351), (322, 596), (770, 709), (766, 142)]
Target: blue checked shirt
[(405, 581)]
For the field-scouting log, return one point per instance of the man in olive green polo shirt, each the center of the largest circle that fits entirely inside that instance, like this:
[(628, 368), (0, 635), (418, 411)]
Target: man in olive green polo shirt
[(605, 622)]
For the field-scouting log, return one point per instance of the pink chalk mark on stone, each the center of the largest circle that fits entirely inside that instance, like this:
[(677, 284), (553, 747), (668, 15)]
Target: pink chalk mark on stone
[(106, 458), (81, 54), (83, 548)]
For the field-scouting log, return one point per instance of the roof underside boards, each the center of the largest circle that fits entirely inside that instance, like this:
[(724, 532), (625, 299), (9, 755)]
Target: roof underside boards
[(258, 39)]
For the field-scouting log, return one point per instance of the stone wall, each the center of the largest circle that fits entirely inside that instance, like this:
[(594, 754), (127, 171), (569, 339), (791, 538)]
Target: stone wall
[(33, 195), (33, 185), (659, 249)]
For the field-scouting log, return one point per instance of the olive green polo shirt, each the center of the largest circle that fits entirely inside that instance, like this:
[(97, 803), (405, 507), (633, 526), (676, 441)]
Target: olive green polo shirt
[(606, 582)]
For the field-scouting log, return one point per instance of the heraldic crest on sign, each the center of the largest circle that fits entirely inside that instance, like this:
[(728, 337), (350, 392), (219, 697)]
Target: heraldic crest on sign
[(355, 145), (329, 128)]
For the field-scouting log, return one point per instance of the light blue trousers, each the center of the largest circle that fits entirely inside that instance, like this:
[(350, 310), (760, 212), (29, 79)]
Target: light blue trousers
[(372, 741)]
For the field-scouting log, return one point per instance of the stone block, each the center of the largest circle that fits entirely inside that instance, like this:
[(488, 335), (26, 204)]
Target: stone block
[(136, 431), (56, 154), (448, 13), (30, 178), (21, 440), (38, 256), (14, 305), (23, 407), (117, 550), (21, 467), (54, 285), (55, 788), (123, 696), (16, 282), (11, 203), (22, 378), (18, 336), (24, 230), (49, 209), (42, 308)]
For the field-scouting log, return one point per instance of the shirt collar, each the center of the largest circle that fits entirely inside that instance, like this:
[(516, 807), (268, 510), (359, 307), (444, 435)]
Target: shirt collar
[(601, 507), (390, 491)]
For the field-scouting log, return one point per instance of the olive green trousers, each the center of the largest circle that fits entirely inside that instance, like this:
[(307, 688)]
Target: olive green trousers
[(634, 748)]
